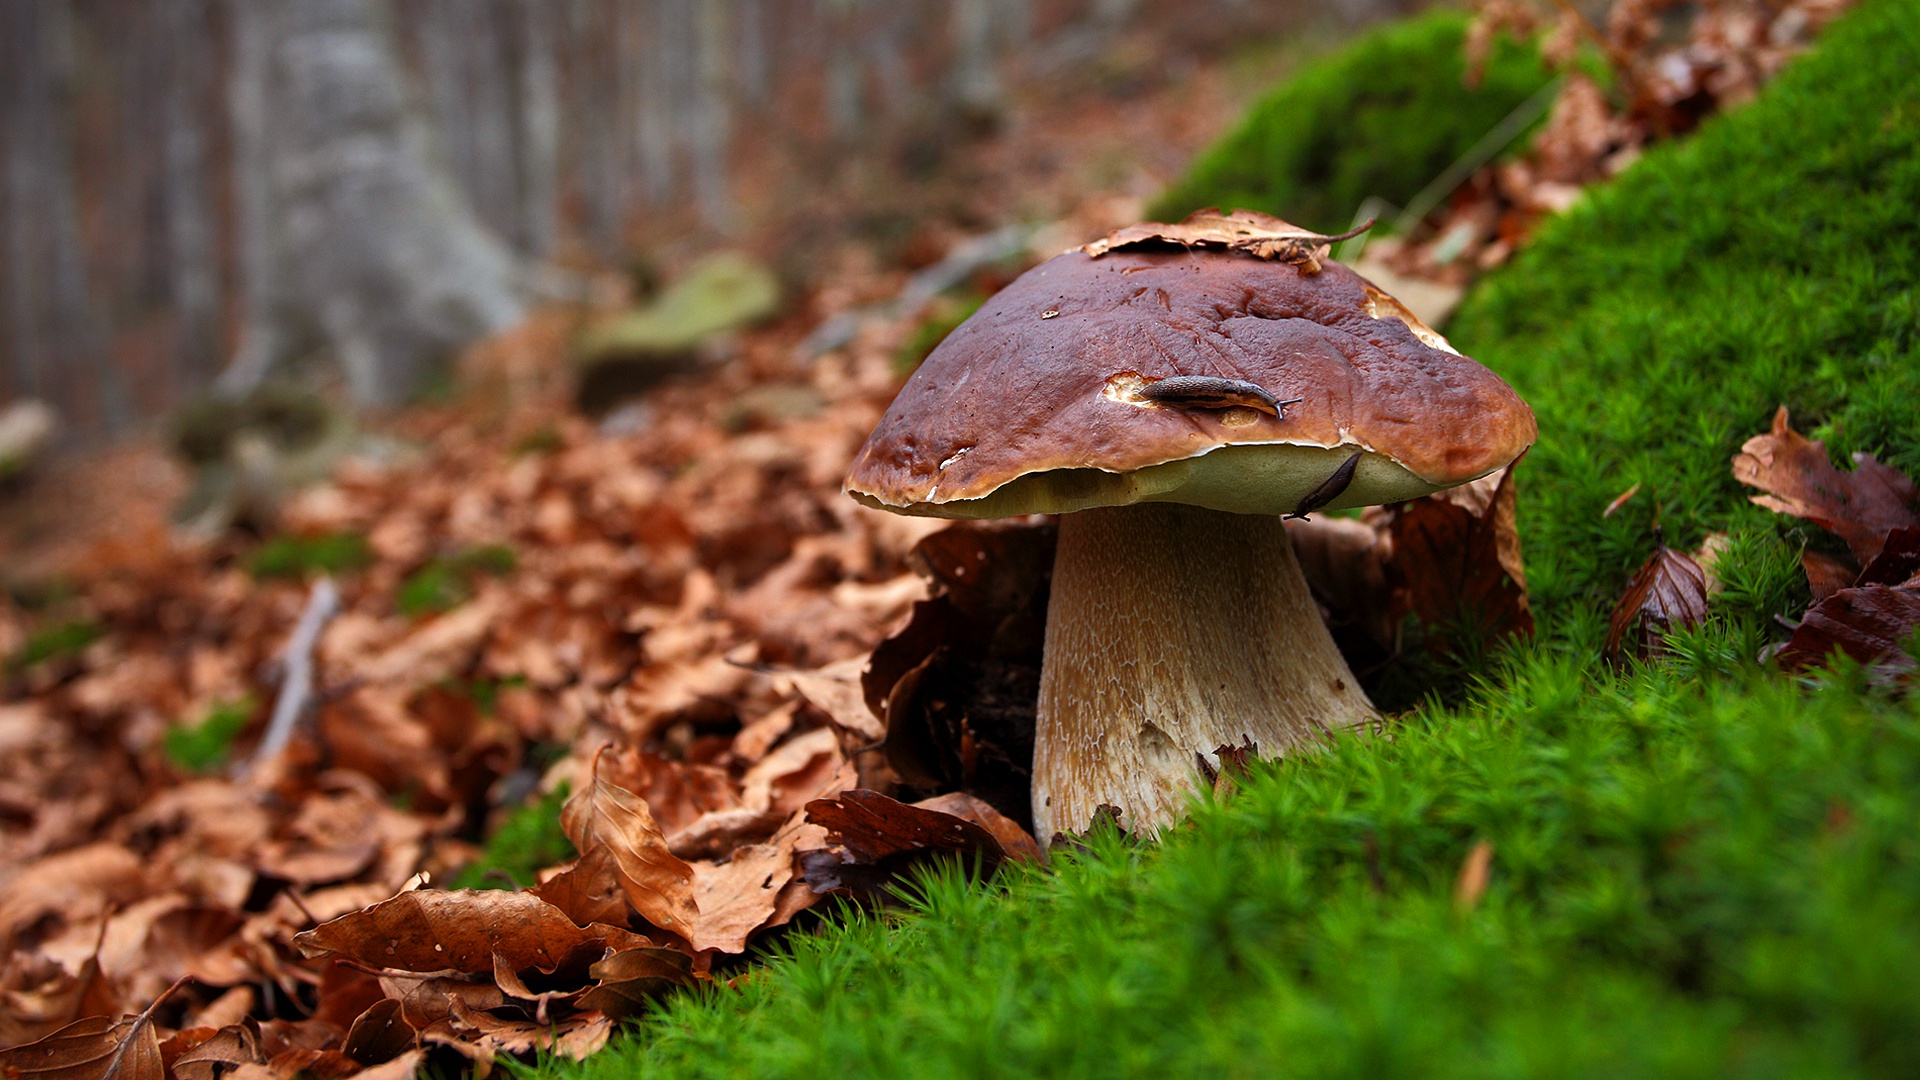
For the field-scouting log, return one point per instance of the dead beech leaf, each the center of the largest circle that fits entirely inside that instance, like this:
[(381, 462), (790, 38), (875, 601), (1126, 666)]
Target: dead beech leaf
[(1861, 507), (92, 1049), (1456, 562), (379, 1034), (1826, 575), (1667, 593), (428, 930), (213, 1057), (880, 836), (588, 890), (1872, 621), (741, 895), (1018, 844), (658, 884), (405, 1067), (835, 690), (1246, 231), (1898, 561), (482, 1035), (630, 981)]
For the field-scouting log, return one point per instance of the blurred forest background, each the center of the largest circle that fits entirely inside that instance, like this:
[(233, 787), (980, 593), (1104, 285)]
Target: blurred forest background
[(192, 187)]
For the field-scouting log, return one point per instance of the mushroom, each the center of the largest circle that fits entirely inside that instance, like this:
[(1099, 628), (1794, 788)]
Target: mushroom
[(1172, 392)]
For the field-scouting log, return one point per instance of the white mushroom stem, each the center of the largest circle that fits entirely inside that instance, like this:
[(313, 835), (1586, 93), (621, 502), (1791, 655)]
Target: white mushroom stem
[(1173, 631)]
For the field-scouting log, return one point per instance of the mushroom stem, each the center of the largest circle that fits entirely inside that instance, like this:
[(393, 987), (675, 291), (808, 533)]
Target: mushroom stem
[(1172, 631)]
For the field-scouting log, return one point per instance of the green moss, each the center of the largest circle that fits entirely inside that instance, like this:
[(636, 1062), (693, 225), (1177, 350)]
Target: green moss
[(1701, 868), (300, 556), (1381, 117), (444, 583), (207, 744), (1772, 259), (527, 841), (52, 642)]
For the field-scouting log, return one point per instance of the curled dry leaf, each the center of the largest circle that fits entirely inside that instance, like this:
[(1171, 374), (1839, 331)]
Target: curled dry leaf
[(1667, 593), (1456, 562), (1246, 231), (1861, 507), (605, 816), (875, 838), (958, 685)]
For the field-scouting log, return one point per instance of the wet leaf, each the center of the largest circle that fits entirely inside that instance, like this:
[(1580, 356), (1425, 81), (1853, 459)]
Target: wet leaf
[(1667, 593), (1861, 507)]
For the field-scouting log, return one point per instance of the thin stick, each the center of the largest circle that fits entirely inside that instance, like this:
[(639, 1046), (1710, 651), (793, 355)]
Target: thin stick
[(296, 689)]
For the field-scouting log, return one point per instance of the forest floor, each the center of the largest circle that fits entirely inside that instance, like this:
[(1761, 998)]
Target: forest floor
[(1692, 865)]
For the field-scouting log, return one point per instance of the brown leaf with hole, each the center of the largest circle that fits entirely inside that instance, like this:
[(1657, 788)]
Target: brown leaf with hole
[(605, 816), (481, 1035), (1861, 507), (1667, 593), (737, 897), (215, 1056), (1456, 562), (428, 930)]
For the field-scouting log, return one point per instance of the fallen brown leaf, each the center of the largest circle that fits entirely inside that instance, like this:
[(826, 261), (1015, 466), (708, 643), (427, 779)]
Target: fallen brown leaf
[(657, 883), (1456, 562), (427, 931), (1667, 593), (1873, 621), (1260, 235), (92, 1049), (1861, 507)]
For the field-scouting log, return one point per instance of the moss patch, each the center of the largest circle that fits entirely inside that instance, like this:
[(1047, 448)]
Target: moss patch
[(1699, 867), (1381, 117)]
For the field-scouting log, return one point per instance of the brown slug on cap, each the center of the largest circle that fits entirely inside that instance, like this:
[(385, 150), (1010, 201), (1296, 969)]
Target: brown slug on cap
[(1211, 392)]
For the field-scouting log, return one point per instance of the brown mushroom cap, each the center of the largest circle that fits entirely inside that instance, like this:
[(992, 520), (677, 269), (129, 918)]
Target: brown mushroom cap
[(1036, 404)]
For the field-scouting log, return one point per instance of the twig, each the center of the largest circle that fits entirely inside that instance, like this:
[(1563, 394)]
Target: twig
[(296, 688), (960, 263)]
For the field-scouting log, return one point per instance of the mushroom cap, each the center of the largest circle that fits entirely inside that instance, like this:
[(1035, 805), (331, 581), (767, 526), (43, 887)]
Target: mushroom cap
[(1040, 403)]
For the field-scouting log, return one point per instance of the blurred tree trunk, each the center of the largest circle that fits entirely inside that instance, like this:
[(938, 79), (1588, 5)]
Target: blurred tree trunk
[(354, 236)]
